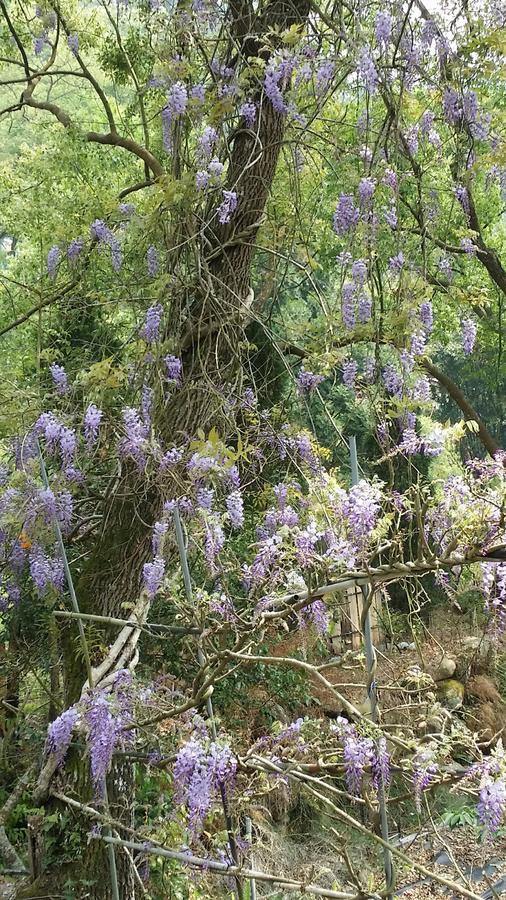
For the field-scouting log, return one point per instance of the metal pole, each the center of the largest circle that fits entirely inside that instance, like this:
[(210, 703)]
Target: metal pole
[(372, 693), (249, 837), (209, 703)]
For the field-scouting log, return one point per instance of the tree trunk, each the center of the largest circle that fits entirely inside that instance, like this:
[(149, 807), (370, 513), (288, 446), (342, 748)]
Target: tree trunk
[(211, 358)]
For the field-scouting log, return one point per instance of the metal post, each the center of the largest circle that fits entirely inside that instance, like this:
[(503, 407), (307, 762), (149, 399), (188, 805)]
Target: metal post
[(249, 837), (209, 703), (372, 693)]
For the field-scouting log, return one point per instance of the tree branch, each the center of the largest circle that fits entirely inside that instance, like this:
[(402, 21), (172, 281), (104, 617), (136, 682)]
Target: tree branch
[(463, 403)]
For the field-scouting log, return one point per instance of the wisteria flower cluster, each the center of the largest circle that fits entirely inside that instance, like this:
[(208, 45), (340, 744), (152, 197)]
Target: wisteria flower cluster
[(490, 776), (203, 770), (102, 717), (361, 754)]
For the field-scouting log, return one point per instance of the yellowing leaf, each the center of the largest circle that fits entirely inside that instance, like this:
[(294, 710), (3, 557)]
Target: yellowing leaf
[(292, 35)]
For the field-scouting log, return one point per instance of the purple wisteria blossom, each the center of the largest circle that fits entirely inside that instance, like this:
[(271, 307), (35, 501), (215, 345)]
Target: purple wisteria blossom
[(421, 390), (39, 44), (159, 532), (367, 70), (348, 304), (170, 459), (396, 263), (201, 774), (173, 369), (350, 369), (445, 267), (346, 215), (381, 765), (102, 233), (434, 442), (364, 308), (177, 101), (227, 207), (152, 574), (137, 432), (383, 29), (92, 419), (369, 369), (358, 754), (426, 316), (390, 216), (361, 508), (248, 111), (469, 331), (392, 380), (235, 509), (102, 738), (366, 189), (48, 425), (73, 42), (452, 109), (202, 179), (198, 93), (153, 261), (390, 180), (205, 498), (359, 271), (215, 168), (74, 249), (418, 343), (274, 79), (214, 543), (307, 382), (427, 122), (425, 769), (45, 572), (206, 144), (323, 76), (468, 246), (409, 443), (316, 614), (53, 258), (150, 330), (60, 380), (59, 734), (492, 804), (461, 195)]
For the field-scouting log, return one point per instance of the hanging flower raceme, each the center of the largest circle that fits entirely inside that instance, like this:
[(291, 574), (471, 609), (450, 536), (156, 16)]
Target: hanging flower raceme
[(53, 258), (346, 216), (59, 734), (177, 101), (469, 331), (425, 770), (360, 754), (60, 380), (102, 233), (227, 207), (202, 771), (490, 776), (307, 382), (92, 419), (102, 716), (150, 330)]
